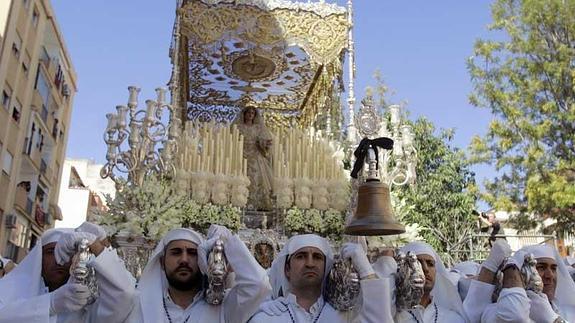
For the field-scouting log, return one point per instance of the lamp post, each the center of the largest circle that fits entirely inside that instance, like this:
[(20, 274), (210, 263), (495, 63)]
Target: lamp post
[(151, 144)]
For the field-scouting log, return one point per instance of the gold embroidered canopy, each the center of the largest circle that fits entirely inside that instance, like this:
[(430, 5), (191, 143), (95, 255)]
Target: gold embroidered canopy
[(284, 57)]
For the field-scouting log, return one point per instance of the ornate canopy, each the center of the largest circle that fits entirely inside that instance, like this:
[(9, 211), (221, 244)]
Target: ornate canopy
[(281, 56)]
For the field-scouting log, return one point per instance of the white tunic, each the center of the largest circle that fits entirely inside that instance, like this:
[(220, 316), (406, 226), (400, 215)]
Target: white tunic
[(431, 314), (373, 308), (116, 287), (477, 300), (250, 288)]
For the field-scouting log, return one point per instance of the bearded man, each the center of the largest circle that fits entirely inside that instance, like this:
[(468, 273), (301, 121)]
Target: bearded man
[(171, 289)]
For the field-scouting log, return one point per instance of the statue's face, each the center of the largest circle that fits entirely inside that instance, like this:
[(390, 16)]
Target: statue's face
[(547, 269), (54, 275), (180, 263), (249, 115), (264, 254)]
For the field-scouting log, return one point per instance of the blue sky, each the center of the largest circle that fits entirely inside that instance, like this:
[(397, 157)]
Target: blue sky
[(419, 46)]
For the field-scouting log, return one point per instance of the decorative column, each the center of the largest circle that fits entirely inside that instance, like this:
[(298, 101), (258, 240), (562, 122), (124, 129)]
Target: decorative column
[(351, 130)]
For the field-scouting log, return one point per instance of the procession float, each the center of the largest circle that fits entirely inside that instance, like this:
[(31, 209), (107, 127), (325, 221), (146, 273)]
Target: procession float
[(250, 133)]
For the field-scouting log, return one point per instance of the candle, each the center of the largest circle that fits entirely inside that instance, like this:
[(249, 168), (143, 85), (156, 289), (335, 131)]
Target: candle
[(394, 110)]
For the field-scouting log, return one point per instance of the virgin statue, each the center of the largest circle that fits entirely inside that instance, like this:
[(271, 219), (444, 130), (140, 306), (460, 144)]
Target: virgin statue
[(257, 152)]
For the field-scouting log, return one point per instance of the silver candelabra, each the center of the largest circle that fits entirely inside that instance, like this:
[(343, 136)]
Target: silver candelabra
[(151, 144)]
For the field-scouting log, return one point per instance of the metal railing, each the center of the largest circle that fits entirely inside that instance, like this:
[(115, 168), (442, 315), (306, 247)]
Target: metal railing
[(479, 246)]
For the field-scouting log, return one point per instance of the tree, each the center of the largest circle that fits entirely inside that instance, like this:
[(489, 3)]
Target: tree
[(527, 79), (442, 201), (443, 198)]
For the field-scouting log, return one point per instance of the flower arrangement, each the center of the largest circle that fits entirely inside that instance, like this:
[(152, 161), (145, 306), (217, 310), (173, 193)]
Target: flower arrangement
[(328, 223), (303, 194), (157, 206), (284, 193), (239, 190), (320, 195), (339, 194), (219, 187), (200, 187)]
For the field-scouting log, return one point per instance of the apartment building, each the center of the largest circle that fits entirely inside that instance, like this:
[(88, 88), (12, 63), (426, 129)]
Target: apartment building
[(37, 86)]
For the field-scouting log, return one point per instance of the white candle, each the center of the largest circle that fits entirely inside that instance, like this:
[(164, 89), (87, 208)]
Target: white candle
[(394, 110)]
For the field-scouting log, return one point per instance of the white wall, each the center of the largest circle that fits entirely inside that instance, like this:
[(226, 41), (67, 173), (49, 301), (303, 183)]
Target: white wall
[(4, 10), (74, 202)]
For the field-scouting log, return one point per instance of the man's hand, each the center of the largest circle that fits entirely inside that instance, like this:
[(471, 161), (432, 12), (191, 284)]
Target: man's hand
[(358, 258), (499, 252), (66, 246), (541, 310), (71, 297)]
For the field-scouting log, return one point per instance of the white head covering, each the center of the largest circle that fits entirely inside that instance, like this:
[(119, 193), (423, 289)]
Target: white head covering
[(26, 280), (153, 281), (278, 279), (467, 268), (565, 291), (444, 292), (569, 261)]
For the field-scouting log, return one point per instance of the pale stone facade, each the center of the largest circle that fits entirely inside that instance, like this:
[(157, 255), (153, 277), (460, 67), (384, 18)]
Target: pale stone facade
[(37, 86)]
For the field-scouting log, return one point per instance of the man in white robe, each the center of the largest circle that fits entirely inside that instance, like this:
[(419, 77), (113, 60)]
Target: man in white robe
[(171, 287), (466, 272), (555, 304), (298, 275), (441, 301), (38, 290)]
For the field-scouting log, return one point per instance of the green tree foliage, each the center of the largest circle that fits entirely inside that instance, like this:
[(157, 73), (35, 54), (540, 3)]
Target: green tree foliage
[(444, 196), (527, 79)]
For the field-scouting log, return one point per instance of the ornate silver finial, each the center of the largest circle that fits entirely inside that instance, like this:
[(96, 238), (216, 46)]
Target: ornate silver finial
[(367, 120), (342, 287), (409, 281), (530, 275), (217, 274), (81, 273)]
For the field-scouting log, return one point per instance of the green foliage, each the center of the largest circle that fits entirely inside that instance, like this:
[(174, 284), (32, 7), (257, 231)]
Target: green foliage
[(443, 198), (527, 79), (327, 223), (438, 208)]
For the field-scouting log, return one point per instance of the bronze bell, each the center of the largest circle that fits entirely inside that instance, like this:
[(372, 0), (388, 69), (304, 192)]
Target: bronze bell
[(374, 214)]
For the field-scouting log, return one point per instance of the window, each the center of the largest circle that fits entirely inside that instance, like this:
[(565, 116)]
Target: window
[(26, 63), (17, 45), (6, 98), (16, 111), (42, 86), (35, 17), (7, 162), (25, 68)]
